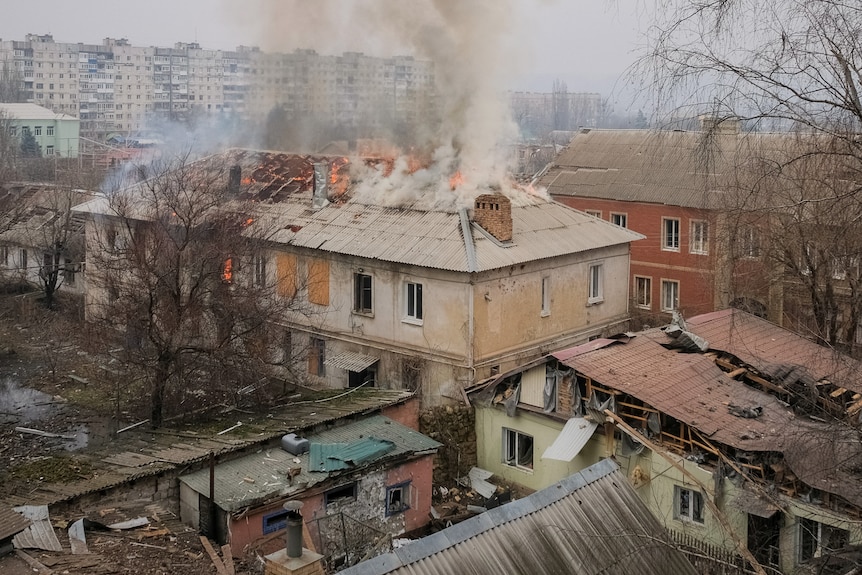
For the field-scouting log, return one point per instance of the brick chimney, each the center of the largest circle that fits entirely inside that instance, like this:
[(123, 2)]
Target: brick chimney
[(294, 559), (494, 213)]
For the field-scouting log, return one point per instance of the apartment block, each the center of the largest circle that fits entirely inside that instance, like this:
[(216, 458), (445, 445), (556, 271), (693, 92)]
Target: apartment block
[(118, 88)]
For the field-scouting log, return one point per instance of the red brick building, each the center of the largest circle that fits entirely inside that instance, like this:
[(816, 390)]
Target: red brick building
[(671, 187)]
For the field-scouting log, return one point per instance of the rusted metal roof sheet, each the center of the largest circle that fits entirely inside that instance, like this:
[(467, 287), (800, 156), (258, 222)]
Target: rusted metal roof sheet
[(762, 344), (244, 481), (11, 522), (590, 522), (690, 388)]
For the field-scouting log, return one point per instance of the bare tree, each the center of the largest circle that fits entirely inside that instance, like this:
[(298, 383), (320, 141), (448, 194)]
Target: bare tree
[(791, 66), (182, 267), (10, 84)]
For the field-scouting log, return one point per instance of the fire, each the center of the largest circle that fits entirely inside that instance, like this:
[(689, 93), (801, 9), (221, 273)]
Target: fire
[(227, 271), (456, 180)]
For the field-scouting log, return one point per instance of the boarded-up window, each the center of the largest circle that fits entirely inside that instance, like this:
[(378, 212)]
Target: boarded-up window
[(318, 282), (532, 385), (286, 264), (317, 357)]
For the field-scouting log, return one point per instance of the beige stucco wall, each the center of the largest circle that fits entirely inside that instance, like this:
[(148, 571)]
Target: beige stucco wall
[(654, 479)]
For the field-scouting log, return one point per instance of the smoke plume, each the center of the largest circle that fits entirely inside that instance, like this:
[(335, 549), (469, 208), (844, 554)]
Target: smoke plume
[(470, 43)]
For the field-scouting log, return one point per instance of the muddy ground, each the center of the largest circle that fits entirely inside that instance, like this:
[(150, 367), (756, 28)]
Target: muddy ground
[(55, 377)]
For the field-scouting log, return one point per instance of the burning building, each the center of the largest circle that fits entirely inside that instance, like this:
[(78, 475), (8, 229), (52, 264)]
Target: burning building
[(430, 290)]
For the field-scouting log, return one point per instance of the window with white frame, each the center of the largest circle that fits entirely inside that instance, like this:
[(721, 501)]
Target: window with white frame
[(699, 237), (259, 271), (817, 539), (621, 220), (687, 504), (413, 302), (670, 234), (546, 296), (594, 213), (596, 281), (749, 242), (643, 292), (669, 295), (362, 294), (517, 449)]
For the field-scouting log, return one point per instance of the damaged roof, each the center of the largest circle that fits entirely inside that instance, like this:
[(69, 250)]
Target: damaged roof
[(279, 185), (590, 522), (264, 475), (691, 388), (28, 212), (764, 345)]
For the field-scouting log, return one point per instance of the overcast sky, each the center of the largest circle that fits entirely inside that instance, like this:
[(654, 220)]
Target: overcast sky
[(586, 43)]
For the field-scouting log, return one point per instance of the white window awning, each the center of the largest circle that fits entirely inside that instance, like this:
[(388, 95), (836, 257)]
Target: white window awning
[(571, 439), (351, 361)]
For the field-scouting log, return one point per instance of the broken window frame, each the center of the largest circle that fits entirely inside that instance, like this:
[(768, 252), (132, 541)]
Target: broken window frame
[(401, 491), (688, 505), (816, 539), (317, 357), (344, 492), (258, 278), (518, 449), (275, 521)]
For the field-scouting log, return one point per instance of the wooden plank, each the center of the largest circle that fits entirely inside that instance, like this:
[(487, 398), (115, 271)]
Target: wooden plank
[(737, 372), (854, 408), (725, 524), (227, 557), (764, 384), (837, 392), (213, 556), (34, 565)]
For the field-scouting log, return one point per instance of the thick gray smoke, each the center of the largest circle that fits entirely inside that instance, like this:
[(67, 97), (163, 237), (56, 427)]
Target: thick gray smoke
[(469, 42)]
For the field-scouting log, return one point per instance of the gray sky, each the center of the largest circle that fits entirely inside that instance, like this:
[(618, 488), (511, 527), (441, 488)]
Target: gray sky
[(586, 43)]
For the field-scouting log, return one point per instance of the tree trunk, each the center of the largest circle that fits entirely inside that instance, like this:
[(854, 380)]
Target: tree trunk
[(157, 398)]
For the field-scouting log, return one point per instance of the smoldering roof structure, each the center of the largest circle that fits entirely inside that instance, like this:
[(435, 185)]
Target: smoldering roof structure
[(278, 191)]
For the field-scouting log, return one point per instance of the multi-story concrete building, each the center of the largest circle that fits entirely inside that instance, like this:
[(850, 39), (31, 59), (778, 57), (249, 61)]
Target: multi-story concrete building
[(115, 87)]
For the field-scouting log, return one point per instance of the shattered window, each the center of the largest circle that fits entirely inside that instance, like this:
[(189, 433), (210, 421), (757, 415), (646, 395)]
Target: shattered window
[(643, 292), (817, 539), (517, 449), (688, 504), (397, 498)]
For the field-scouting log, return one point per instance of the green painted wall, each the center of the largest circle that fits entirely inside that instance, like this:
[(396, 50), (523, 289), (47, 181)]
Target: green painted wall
[(65, 140)]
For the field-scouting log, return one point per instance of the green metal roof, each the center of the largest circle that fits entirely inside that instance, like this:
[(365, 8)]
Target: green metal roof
[(335, 456), (248, 480)]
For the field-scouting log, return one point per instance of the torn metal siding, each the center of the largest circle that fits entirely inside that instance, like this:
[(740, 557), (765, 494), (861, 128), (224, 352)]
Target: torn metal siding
[(11, 522), (591, 522)]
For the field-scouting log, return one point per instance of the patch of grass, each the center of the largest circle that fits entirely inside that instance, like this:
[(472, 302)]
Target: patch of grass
[(54, 469)]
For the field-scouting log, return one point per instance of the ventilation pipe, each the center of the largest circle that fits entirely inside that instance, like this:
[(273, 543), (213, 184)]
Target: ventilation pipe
[(294, 528)]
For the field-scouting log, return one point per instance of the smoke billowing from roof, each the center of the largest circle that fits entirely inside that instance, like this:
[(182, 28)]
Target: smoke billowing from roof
[(466, 42)]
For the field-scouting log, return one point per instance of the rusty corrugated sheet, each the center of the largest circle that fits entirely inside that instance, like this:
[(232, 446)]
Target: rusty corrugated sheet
[(590, 522)]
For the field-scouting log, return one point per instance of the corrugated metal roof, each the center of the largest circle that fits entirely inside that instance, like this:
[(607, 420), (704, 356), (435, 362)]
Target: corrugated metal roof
[(571, 440), (423, 236), (762, 344), (661, 167), (337, 456), (591, 522), (268, 470), (40, 534), (11, 522), (351, 361)]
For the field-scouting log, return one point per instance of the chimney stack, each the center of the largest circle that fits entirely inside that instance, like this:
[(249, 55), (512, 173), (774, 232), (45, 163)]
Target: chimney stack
[(293, 559), (234, 179), (494, 213), (319, 197)]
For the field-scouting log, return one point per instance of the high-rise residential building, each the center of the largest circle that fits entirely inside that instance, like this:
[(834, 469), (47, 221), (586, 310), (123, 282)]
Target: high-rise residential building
[(118, 88)]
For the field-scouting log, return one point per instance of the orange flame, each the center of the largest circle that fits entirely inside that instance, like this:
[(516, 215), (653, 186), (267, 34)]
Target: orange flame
[(456, 180), (227, 271)]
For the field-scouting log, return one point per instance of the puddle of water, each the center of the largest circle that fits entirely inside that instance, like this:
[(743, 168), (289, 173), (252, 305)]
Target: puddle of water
[(19, 403)]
